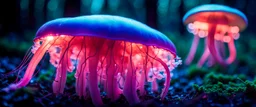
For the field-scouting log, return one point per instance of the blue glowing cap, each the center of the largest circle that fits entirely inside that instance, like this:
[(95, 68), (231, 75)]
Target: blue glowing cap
[(108, 27), (203, 12)]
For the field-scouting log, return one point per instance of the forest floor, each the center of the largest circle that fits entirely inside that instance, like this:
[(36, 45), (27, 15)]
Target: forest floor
[(189, 87)]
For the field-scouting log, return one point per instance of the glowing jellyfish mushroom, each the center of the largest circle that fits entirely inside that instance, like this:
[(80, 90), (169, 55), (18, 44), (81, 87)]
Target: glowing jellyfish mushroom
[(106, 49), (217, 23)]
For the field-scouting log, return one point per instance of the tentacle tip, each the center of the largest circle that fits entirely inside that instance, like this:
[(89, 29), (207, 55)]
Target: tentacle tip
[(10, 88), (224, 64), (187, 60), (5, 90), (187, 63), (199, 65)]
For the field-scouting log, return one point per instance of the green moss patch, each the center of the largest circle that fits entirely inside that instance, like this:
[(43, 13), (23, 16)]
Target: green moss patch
[(226, 85)]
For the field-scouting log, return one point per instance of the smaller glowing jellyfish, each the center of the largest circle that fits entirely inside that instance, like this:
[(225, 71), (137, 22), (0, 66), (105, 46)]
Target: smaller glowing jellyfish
[(111, 51), (219, 24)]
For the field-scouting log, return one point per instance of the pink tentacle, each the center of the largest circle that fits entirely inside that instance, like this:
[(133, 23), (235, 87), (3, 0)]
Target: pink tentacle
[(93, 81), (129, 90), (81, 79), (204, 57), (31, 67), (192, 51), (232, 51), (168, 78), (211, 45), (215, 53), (112, 86), (154, 85)]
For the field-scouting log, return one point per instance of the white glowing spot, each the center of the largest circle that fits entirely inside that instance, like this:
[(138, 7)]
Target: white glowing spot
[(196, 24), (200, 25), (190, 26), (217, 36), (141, 47), (62, 35), (236, 36), (226, 39), (204, 26), (138, 57), (201, 34), (200, 29), (49, 38), (234, 29), (195, 31)]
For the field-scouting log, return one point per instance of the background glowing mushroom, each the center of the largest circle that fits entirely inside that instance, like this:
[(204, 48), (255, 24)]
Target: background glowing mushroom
[(217, 23), (104, 47)]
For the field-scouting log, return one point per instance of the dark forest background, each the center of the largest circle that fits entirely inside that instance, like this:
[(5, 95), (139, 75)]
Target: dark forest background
[(234, 85), (20, 19)]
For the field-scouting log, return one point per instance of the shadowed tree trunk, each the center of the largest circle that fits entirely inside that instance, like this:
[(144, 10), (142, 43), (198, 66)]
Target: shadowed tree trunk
[(10, 14), (72, 8), (182, 29), (151, 13)]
